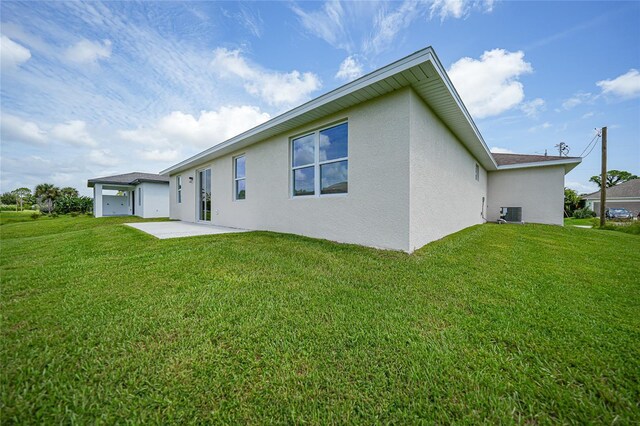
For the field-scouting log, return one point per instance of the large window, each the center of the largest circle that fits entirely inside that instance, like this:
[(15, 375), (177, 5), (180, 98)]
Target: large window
[(179, 188), (320, 162), (239, 178)]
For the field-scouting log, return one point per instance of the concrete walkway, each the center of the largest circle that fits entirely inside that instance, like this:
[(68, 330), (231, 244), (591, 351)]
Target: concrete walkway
[(178, 229)]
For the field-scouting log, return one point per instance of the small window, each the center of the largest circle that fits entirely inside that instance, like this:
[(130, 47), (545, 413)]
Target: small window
[(179, 189), (139, 196), (477, 172), (239, 178), (320, 162)]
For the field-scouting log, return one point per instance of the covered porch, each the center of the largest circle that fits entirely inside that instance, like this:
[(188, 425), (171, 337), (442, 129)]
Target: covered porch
[(130, 194), (119, 200)]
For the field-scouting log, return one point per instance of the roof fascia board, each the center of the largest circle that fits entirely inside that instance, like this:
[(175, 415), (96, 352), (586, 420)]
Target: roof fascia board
[(400, 65), (570, 163), (445, 78)]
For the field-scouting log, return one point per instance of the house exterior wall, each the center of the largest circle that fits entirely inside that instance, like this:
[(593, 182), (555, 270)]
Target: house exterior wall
[(538, 190), (114, 205), (445, 196), (155, 200), (375, 212)]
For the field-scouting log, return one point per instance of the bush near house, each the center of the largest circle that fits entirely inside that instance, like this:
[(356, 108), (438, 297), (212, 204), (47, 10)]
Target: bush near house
[(584, 213), (492, 325)]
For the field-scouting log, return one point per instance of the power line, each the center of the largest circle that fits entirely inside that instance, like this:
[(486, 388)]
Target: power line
[(594, 145), (597, 135)]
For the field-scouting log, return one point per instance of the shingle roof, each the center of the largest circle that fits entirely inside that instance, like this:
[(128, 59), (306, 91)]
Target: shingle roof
[(629, 189), (129, 179), (510, 159)]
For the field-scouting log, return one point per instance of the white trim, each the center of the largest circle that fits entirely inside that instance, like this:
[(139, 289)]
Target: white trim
[(179, 189), (420, 57), (317, 164), (540, 164), (236, 179)]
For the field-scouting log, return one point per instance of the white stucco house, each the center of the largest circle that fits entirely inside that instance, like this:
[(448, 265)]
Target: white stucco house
[(624, 195), (391, 160), (138, 194)]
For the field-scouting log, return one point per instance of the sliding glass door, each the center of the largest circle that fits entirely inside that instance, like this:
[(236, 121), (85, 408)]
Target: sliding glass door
[(204, 197)]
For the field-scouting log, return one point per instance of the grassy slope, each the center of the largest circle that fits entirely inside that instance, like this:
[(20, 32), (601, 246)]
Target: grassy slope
[(573, 221), (495, 323)]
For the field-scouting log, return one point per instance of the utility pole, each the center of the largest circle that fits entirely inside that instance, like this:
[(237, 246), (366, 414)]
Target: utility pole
[(563, 149), (603, 177)]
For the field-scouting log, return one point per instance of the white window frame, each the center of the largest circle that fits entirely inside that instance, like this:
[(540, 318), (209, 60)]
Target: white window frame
[(317, 184), (477, 169), (236, 179), (179, 189)]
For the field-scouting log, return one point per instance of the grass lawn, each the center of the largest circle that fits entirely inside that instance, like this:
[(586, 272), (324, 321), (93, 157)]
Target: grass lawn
[(496, 324), (572, 221)]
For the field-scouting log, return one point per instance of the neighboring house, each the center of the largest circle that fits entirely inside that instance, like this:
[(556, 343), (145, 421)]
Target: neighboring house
[(624, 195), (390, 160), (142, 194)]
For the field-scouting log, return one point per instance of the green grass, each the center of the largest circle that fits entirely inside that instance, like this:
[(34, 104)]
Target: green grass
[(496, 324), (23, 216), (569, 221)]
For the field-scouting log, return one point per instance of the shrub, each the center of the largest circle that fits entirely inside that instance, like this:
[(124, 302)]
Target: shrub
[(74, 214), (7, 207), (584, 213), (67, 204), (629, 227), (36, 215)]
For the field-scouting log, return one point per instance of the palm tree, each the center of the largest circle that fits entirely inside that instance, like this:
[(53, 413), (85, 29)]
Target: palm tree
[(47, 193), (69, 192)]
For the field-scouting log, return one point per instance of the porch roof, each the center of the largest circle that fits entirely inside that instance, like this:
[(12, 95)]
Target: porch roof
[(128, 179)]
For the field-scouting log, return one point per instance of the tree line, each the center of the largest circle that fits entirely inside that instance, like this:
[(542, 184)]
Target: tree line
[(47, 198)]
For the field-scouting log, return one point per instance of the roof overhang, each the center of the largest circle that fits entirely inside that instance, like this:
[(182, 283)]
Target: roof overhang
[(92, 182), (569, 164), (422, 71)]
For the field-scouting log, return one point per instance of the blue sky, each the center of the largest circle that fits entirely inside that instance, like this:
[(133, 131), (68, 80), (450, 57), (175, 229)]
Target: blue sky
[(92, 89)]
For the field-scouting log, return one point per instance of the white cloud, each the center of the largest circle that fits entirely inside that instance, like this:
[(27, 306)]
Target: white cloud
[(88, 52), (275, 88), (498, 150), (626, 85), (178, 128), (103, 157), (545, 125), (386, 26), (12, 54), (159, 155), (581, 188), (490, 86), (533, 108), (350, 69), (588, 114), (372, 27), (326, 23), (73, 132), (458, 8), (577, 99), (15, 129)]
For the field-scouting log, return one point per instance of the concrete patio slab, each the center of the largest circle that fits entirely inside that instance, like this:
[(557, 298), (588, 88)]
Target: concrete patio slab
[(179, 229)]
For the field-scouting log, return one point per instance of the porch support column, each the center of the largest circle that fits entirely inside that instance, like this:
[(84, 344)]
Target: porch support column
[(97, 200)]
